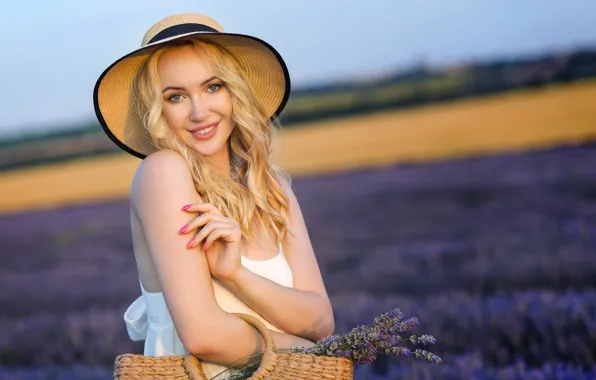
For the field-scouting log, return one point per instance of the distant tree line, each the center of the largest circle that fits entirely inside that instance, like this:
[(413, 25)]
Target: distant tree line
[(418, 86), (421, 85)]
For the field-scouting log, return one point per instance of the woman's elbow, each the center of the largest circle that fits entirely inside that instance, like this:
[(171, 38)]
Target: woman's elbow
[(200, 342), (201, 348), (331, 326), (194, 346), (328, 326)]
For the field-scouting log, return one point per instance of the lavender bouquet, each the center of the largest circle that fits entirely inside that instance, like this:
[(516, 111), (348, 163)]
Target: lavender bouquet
[(364, 343)]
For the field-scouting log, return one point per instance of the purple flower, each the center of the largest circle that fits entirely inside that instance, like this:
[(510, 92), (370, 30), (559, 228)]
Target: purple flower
[(382, 337), (428, 356), (403, 353), (423, 339)]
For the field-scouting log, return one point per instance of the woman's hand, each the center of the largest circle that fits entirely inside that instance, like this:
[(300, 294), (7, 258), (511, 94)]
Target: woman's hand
[(220, 238)]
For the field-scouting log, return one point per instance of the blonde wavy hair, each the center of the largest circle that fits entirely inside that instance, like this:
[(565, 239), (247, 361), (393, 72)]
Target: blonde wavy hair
[(254, 185)]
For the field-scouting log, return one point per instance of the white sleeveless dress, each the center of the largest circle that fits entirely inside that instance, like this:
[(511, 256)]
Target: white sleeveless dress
[(148, 318)]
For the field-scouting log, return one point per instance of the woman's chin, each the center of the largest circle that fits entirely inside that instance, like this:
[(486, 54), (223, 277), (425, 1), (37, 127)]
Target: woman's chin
[(205, 150)]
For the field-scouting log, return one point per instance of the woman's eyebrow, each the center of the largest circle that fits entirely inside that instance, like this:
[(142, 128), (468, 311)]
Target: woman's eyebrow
[(182, 88)]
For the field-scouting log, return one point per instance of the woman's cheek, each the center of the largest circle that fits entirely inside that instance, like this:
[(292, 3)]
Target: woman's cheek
[(173, 117)]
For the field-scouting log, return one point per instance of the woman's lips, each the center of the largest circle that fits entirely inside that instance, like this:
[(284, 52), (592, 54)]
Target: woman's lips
[(205, 133)]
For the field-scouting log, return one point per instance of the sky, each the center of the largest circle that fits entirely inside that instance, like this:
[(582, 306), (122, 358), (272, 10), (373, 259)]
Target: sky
[(54, 51)]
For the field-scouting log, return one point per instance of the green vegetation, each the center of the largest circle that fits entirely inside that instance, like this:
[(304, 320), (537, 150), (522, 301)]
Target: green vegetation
[(419, 86)]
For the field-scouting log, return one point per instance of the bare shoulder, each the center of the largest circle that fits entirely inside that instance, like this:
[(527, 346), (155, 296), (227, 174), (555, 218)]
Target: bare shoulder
[(160, 163), (286, 185), (162, 173)]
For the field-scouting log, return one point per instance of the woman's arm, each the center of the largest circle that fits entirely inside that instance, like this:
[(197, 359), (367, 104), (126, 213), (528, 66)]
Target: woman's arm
[(161, 183), (304, 310)]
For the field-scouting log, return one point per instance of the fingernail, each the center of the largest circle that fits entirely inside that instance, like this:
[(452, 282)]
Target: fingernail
[(185, 207), (190, 243), (183, 229), (204, 246)]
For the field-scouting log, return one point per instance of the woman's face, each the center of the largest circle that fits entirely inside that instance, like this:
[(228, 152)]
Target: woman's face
[(196, 105)]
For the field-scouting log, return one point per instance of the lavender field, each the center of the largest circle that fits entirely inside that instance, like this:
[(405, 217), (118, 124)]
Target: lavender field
[(495, 255)]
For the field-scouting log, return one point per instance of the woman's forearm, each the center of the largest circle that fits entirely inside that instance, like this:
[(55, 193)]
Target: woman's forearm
[(296, 312), (282, 342), (236, 343)]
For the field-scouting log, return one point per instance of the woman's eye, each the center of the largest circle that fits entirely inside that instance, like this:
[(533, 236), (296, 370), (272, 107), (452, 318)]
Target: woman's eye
[(214, 87), (174, 98)]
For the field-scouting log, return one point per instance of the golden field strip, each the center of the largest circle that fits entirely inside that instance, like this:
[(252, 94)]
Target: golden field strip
[(515, 121)]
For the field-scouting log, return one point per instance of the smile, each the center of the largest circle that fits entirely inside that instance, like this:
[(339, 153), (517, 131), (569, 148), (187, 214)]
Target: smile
[(205, 132)]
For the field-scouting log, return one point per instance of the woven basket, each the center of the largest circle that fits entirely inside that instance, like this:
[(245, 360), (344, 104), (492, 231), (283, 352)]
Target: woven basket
[(274, 365)]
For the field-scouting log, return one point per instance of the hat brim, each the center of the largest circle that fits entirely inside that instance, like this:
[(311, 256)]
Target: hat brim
[(262, 66)]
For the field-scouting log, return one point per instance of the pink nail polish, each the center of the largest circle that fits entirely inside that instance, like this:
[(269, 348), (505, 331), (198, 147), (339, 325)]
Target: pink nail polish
[(190, 243), (204, 246), (185, 207), (183, 229)]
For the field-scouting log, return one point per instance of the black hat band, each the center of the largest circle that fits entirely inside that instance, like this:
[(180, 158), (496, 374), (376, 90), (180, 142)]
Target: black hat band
[(179, 29)]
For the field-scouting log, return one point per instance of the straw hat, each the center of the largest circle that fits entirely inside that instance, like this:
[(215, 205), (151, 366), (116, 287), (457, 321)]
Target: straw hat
[(114, 93)]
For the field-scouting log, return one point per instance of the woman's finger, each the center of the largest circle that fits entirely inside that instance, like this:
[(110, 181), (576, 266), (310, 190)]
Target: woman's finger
[(219, 233), (201, 207), (206, 231), (203, 219)]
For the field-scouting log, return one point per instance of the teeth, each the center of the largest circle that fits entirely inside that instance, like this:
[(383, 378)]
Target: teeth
[(205, 131)]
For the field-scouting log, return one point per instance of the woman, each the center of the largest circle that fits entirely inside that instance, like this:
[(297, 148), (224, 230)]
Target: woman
[(216, 227)]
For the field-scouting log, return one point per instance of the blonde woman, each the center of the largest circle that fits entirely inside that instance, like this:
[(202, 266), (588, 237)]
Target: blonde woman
[(216, 226)]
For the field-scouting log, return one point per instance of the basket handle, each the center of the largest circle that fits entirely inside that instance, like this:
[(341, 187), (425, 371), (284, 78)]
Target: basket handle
[(193, 368), (269, 359)]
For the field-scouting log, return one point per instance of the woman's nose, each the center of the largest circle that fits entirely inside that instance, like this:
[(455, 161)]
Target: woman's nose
[(199, 111)]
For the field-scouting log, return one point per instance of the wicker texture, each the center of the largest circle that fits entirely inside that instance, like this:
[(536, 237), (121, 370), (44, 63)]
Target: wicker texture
[(303, 366), (273, 366), (137, 367)]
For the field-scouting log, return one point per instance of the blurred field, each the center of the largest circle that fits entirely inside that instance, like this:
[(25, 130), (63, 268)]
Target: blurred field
[(522, 120), (516, 121), (494, 254)]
